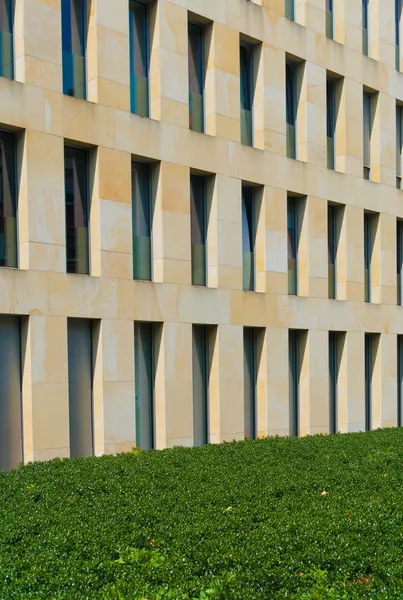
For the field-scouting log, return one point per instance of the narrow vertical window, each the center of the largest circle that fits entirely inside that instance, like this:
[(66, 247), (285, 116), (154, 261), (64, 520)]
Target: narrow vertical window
[(332, 213), (250, 381), (368, 234), (139, 58), (400, 380), (369, 342), (399, 261), (11, 446), (334, 350), (200, 385), (144, 384), (292, 228), (77, 209), (294, 377), (8, 201), (74, 48), (291, 108), (246, 54), (399, 145), (329, 19), (398, 15), (6, 38), (289, 9), (331, 121), (367, 135), (198, 214), (141, 215), (196, 76), (365, 24), (248, 237), (80, 367)]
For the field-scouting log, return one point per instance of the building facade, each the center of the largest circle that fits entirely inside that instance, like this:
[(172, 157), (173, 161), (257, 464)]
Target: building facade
[(201, 222)]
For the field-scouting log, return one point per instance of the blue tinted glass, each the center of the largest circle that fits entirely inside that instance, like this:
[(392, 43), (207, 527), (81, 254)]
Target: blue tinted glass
[(73, 46)]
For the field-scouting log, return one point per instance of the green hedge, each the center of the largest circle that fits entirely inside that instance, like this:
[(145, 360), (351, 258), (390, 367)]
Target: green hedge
[(320, 517)]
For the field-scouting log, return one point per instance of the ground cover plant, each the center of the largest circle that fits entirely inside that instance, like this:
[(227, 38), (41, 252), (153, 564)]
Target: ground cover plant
[(315, 518)]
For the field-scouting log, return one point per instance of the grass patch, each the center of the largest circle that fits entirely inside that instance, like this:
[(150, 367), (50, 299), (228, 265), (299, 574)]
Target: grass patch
[(315, 518)]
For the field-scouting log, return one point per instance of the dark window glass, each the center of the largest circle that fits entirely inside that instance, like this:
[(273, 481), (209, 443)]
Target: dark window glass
[(198, 229), (367, 255), (139, 58), (246, 54), (400, 380), (196, 76), (289, 9), (73, 45), (250, 381), (6, 38), (248, 237), (329, 19), (76, 195), (144, 384), (367, 135), (334, 351), (369, 343), (141, 214), (291, 108), (294, 377), (332, 212), (399, 145), (200, 385), (79, 336), (292, 229), (365, 22), (399, 261), (8, 201), (331, 121), (398, 15)]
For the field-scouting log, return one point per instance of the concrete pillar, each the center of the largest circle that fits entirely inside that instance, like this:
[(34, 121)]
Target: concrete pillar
[(312, 250), (45, 404), (276, 257), (351, 384), (384, 388), (311, 115), (384, 261), (350, 256), (383, 145), (349, 130), (347, 16), (311, 14), (382, 31), (314, 384), (274, 414)]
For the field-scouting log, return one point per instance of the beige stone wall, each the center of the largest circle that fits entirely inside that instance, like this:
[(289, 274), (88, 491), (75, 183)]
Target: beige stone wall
[(40, 290)]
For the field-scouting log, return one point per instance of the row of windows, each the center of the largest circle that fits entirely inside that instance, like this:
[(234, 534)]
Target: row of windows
[(82, 340)]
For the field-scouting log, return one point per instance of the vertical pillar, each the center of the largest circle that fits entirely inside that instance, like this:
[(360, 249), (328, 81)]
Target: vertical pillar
[(384, 261), (348, 23), (108, 54), (383, 145), (45, 405), (351, 383), (314, 384), (38, 43), (273, 407), (349, 131), (350, 256), (384, 388), (41, 210), (169, 63), (226, 385), (171, 225), (382, 31), (312, 253), (311, 114), (275, 205), (173, 386), (311, 14), (223, 105)]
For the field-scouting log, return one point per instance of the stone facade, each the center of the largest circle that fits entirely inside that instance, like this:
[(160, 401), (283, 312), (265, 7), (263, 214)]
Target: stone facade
[(45, 296)]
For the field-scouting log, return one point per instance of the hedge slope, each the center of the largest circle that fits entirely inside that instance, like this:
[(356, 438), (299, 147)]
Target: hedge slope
[(320, 517)]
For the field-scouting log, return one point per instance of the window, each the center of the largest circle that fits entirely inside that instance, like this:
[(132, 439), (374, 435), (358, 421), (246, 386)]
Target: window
[(331, 121), (329, 19), (367, 135), (250, 381), (399, 145), (246, 54), (77, 208), (248, 237), (198, 217), (200, 385), (369, 359), (368, 241), (6, 38), (11, 446), (335, 342), (196, 76), (398, 15), (365, 27), (293, 239), (139, 57), (400, 380), (8, 201), (80, 367), (399, 257), (74, 48), (294, 344), (144, 378), (332, 241), (141, 215), (291, 108), (289, 9)]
